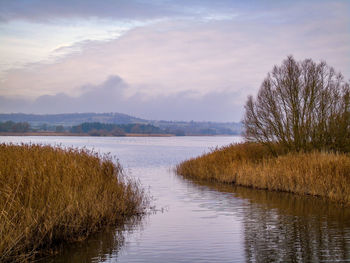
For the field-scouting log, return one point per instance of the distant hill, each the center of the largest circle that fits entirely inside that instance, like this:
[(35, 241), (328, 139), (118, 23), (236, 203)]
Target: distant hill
[(70, 119), (170, 127)]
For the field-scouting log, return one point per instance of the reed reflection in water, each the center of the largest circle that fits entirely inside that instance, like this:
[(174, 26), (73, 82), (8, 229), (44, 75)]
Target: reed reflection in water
[(277, 227), (103, 246)]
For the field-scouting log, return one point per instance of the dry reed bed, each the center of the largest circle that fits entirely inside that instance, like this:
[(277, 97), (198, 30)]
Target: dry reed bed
[(248, 164), (49, 196)]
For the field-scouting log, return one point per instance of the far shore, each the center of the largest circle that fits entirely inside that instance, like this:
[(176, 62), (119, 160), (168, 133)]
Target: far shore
[(80, 134), (88, 135)]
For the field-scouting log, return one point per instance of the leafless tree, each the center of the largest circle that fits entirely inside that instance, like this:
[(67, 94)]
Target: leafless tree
[(300, 106)]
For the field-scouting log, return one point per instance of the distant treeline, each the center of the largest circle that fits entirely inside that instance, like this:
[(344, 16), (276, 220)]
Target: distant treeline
[(23, 127), (91, 128), (112, 129), (10, 126), (102, 129)]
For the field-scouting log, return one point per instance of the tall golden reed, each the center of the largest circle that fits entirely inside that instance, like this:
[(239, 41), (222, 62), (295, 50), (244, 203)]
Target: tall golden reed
[(50, 195), (251, 164)]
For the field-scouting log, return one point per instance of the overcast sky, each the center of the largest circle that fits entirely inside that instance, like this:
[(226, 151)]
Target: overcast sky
[(161, 59)]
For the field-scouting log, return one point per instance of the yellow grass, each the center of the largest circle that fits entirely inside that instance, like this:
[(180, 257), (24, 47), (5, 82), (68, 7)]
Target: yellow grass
[(49, 196), (248, 164)]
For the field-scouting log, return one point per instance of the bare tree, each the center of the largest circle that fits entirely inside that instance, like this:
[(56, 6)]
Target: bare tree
[(300, 106)]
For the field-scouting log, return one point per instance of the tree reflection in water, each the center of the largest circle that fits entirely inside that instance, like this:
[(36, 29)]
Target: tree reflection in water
[(282, 227)]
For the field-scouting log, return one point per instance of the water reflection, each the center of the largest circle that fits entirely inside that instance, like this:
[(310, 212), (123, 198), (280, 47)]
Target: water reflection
[(103, 246), (282, 227), (206, 222)]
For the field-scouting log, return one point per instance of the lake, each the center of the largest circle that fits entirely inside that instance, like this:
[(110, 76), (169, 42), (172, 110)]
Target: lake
[(198, 222)]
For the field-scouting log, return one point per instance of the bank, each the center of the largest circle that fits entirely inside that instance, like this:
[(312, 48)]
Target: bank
[(323, 174)]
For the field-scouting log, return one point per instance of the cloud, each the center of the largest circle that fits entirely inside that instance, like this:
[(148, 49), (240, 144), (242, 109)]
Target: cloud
[(44, 11), (184, 62), (48, 11), (111, 96), (181, 55)]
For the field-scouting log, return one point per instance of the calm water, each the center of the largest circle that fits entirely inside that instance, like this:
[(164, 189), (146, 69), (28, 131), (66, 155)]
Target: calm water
[(196, 222)]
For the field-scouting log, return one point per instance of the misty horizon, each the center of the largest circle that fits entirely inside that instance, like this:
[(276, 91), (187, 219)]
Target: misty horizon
[(110, 97)]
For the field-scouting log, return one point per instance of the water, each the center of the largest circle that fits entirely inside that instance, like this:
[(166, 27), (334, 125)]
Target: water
[(196, 222)]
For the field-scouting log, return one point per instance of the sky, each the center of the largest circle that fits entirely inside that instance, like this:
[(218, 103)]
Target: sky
[(161, 59)]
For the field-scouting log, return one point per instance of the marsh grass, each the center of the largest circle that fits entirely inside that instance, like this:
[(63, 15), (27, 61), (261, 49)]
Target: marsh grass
[(252, 165), (50, 196)]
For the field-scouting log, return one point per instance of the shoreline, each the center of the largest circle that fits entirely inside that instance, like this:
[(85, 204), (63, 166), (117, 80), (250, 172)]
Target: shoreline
[(68, 134), (322, 174), (80, 134)]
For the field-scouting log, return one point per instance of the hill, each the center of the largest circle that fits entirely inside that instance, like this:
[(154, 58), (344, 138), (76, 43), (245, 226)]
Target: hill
[(69, 120)]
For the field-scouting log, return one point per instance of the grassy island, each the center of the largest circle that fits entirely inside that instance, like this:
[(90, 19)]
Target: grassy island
[(297, 133), (50, 196), (252, 165)]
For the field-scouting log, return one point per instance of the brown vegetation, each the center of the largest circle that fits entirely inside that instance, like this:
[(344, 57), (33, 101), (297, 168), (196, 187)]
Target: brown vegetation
[(253, 165), (49, 196)]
